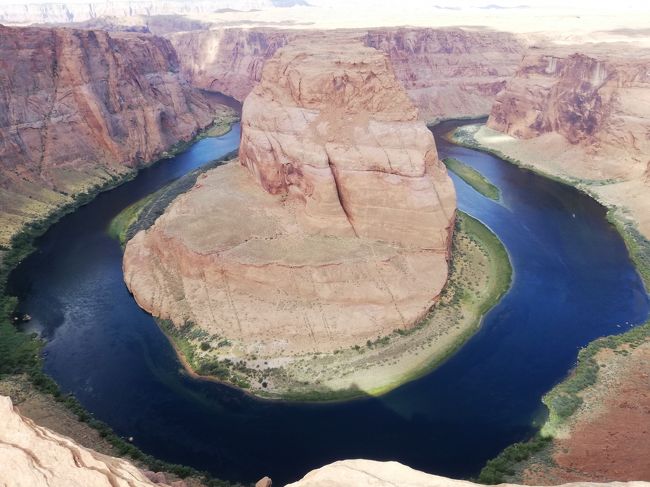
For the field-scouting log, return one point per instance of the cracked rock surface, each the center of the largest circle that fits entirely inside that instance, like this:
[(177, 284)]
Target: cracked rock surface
[(332, 229), (31, 455)]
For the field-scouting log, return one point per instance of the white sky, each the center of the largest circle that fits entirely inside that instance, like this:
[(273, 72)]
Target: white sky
[(572, 4)]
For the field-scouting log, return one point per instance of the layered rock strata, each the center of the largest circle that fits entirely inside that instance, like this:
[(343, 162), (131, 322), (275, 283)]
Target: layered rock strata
[(446, 72), (81, 108), (450, 73), (333, 228), (31, 455), (582, 113)]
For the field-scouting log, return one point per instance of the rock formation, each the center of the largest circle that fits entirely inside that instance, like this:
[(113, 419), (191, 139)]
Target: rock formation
[(450, 73), (388, 474), (80, 108), (446, 72), (227, 60), (31, 455), (582, 113), (588, 97), (333, 229)]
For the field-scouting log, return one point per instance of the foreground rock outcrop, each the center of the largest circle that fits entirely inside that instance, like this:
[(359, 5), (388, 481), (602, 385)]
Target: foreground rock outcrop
[(31, 455), (334, 228), (582, 113), (446, 72), (83, 108), (387, 474)]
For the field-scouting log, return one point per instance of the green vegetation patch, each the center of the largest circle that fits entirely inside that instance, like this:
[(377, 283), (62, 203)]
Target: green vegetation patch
[(472, 177), (119, 226), (637, 245), (499, 258), (497, 470)]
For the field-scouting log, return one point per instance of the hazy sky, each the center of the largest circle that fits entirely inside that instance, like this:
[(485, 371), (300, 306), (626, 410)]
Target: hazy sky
[(599, 4)]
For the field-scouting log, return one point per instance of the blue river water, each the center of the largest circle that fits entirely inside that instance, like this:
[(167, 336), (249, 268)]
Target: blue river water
[(573, 282)]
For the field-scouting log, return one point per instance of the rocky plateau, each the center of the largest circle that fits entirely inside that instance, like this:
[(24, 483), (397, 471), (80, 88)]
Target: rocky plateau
[(333, 229)]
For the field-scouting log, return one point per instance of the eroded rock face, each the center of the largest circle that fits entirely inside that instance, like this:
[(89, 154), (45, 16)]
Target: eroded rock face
[(583, 113), (38, 457), (332, 230), (227, 60), (450, 72), (78, 108), (446, 72), (389, 474), (335, 130), (589, 98)]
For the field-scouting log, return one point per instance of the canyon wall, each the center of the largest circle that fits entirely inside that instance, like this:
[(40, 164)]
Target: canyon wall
[(446, 72), (592, 96), (450, 73), (333, 229), (582, 113), (81, 108), (228, 60)]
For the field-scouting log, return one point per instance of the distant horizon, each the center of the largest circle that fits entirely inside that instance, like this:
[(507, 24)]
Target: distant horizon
[(436, 4)]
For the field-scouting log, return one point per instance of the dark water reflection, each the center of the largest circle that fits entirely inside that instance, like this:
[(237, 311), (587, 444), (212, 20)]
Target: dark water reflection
[(573, 282)]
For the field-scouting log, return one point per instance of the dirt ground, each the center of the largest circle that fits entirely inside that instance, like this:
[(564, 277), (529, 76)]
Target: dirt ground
[(609, 436)]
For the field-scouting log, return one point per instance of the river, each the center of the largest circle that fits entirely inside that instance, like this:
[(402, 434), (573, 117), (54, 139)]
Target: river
[(573, 282)]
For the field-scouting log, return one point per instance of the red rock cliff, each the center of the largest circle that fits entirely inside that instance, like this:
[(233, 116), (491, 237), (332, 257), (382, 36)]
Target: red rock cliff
[(77, 107), (588, 97), (450, 72), (583, 113)]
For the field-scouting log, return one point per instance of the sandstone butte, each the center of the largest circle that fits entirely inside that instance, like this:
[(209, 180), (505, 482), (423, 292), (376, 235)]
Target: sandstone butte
[(581, 113), (82, 108), (332, 229), (34, 456), (447, 72)]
